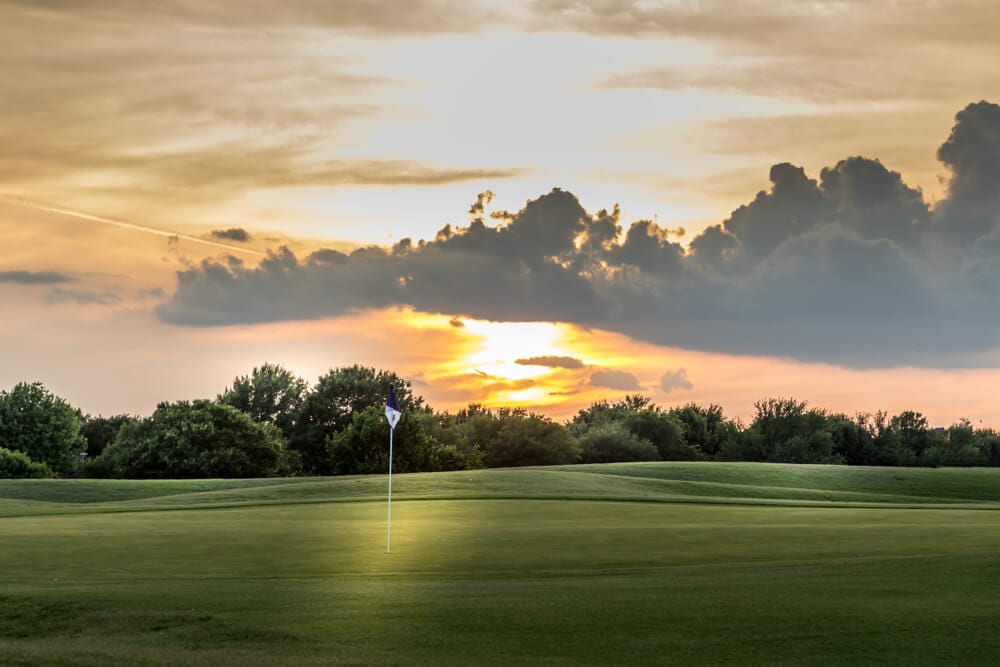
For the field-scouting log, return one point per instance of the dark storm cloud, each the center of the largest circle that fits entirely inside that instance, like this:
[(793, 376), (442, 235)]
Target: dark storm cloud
[(853, 267), (620, 380), (505, 273), (972, 154), (237, 234), (34, 277), (551, 362)]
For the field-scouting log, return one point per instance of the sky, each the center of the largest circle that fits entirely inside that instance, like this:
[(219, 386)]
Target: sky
[(543, 204)]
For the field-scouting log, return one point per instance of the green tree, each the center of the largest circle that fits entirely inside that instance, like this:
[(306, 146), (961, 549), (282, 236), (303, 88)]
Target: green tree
[(524, 439), (194, 440), (663, 430), (17, 465), (808, 447), (748, 445), (42, 425), (851, 440), (329, 408), (612, 442), (785, 430), (639, 416), (99, 432), (705, 428), (453, 449), (884, 446), (363, 447), (271, 394), (989, 445), (602, 412), (958, 447), (474, 429), (914, 433)]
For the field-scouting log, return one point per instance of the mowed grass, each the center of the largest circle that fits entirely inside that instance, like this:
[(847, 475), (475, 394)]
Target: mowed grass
[(660, 563)]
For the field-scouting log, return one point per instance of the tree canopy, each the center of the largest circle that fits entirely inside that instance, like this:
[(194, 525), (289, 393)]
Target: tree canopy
[(99, 432), (330, 406), (270, 394), (196, 439), (43, 426)]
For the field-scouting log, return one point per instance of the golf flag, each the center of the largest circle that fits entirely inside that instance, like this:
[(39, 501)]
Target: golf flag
[(392, 411)]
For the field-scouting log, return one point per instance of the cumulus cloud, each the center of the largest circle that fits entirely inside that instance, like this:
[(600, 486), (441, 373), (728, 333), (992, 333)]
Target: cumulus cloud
[(502, 273), (611, 379), (237, 234), (34, 277), (852, 266), (551, 362), (972, 154), (675, 379)]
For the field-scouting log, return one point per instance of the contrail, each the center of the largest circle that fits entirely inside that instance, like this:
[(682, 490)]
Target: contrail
[(27, 203)]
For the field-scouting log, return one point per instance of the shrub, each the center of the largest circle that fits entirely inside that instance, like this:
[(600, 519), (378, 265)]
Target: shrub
[(18, 465), (195, 439), (612, 442)]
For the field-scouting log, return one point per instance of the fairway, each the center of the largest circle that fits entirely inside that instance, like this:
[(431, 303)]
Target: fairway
[(657, 563)]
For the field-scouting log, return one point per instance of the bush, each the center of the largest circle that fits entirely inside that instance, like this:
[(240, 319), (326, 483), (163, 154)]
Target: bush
[(705, 428), (523, 439), (612, 442), (193, 440), (363, 447), (664, 431), (18, 465), (102, 467)]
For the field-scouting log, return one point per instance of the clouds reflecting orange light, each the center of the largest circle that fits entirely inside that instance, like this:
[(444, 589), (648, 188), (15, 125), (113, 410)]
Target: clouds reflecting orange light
[(477, 362)]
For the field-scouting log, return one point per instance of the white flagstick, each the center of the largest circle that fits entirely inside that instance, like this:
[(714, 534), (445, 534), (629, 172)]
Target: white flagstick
[(392, 415), (388, 530)]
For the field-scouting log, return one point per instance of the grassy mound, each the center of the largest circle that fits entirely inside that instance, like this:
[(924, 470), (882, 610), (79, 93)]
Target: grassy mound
[(743, 483)]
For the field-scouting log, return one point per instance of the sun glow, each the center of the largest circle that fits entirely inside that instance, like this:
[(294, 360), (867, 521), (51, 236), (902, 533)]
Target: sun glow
[(489, 372), (501, 344)]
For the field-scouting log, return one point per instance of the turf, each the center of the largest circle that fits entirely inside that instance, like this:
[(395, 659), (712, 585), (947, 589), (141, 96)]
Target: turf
[(664, 563)]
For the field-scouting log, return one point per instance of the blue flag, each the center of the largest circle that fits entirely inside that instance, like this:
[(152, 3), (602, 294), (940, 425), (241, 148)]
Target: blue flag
[(392, 411)]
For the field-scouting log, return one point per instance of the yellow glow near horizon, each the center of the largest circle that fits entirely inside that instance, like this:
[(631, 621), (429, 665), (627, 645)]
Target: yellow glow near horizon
[(503, 343)]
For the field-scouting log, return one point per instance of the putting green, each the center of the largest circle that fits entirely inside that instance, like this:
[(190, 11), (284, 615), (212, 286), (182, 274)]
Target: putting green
[(618, 564)]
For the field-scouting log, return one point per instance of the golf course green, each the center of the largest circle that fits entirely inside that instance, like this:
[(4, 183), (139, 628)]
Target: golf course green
[(618, 564)]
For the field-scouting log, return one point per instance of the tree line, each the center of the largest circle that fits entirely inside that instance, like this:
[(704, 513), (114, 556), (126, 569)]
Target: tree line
[(272, 423)]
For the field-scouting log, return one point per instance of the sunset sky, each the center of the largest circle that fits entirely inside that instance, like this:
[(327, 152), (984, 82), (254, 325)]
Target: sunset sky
[(541, 203)]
